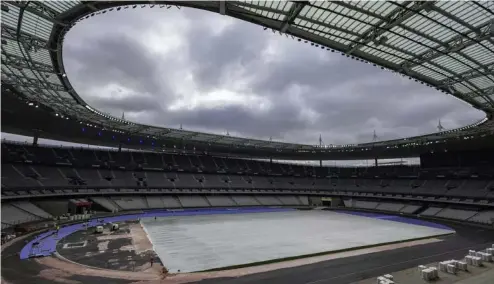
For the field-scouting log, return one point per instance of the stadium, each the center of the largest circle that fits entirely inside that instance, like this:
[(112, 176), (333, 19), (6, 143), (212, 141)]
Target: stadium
[(168, 205)]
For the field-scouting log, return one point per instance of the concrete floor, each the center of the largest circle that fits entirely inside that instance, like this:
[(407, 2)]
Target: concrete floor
[(195, 243)]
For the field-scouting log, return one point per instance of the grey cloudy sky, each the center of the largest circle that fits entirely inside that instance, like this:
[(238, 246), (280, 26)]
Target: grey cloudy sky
[(214, 73)]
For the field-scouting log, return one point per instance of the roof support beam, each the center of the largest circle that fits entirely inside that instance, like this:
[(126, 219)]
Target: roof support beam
[(215, 139), (163, 133), (189, 136), (470, 74), (90, 5), (375, 15), (484, 92), (39, 9), (393, 19), (19, 62), (138, 129), (458, 20), (29, 41), (293, 14), (30, 82), (454, 45)]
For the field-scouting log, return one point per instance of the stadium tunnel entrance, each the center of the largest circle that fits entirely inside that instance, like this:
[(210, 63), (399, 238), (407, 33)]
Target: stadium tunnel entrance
[(326, 201)]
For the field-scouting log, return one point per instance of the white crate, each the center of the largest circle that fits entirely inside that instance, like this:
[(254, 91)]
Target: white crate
[(451, 268), (468, 259), (429, 274), (486, 257), (421, 267), (476, 261), (472, 253), (462, 265), (388, 276), (384, 280), (435, 272)]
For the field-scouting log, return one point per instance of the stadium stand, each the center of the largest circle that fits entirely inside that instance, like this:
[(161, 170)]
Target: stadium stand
[(133, 180)]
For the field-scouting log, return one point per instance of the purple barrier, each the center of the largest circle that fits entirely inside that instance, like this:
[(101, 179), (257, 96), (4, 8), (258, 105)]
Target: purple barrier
[(395, 218), (45, 244)]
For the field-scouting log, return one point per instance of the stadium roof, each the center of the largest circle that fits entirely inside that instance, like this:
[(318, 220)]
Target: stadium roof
[(444, 44)]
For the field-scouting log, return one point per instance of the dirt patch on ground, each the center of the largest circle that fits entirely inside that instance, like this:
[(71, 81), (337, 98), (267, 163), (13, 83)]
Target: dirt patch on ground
[(112, 237), (72, 268), (58, 276)]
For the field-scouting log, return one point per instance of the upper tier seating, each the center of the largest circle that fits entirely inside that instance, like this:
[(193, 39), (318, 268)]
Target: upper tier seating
[(21, 176), (83, 157), (28, 169)]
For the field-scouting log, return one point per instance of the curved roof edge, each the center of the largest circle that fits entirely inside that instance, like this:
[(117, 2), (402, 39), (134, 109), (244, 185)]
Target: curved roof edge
[(288, 19)]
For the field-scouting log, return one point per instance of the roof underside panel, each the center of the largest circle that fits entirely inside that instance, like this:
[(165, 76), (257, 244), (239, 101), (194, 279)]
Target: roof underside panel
[(445, 44)]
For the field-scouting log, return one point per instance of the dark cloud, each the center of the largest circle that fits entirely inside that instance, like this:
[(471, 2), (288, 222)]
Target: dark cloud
[(236, 119), (213, 73), (119, 60)]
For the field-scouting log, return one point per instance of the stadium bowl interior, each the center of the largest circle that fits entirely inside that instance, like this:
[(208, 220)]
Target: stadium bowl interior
[(83, 215)]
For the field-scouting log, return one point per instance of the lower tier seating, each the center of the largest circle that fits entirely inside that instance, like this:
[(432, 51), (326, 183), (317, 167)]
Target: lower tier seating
[(470, 215)]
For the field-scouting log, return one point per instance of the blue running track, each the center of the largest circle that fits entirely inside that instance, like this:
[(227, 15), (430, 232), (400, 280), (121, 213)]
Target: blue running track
[(397, 219)]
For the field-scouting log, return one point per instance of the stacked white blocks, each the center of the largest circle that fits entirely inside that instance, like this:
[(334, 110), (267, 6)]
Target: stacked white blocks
[(385, 279), (477, 258), (487, 257), (451, 266), (473, 260), (462, 265), (428, 273)]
